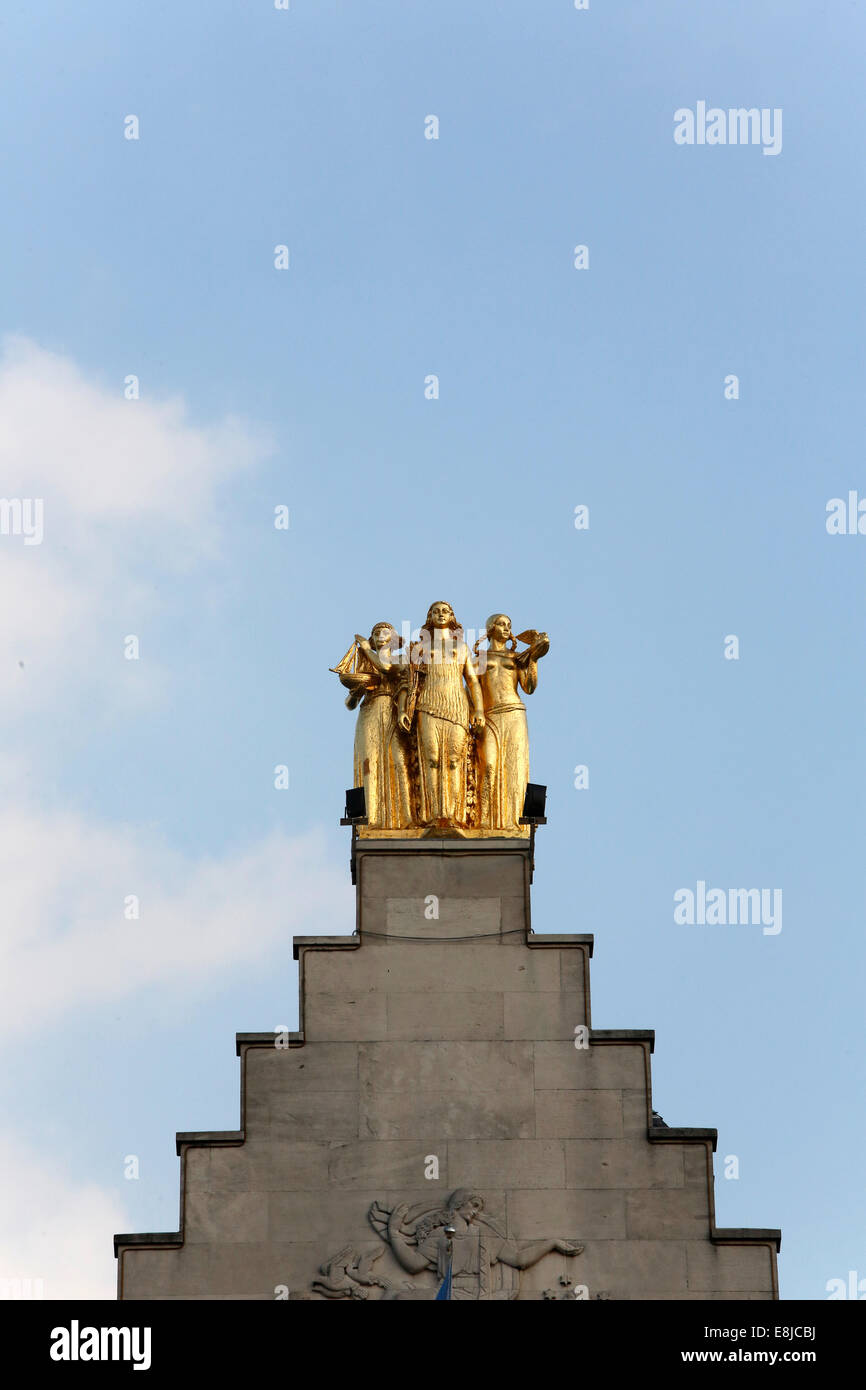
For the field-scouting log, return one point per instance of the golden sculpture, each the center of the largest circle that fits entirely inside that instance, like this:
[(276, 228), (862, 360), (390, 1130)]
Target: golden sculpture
[(442, 682), (376, 679), (503, 752), (441, 744)]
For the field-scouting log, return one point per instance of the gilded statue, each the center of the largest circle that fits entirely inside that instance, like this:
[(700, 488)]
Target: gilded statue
[(445, 699), (376, 679), (441, 743), (503, 750)]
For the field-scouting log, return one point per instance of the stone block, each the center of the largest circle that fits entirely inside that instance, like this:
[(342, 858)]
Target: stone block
[(578, 1115), (463, 1066), (165, 1273), (560, 1066), (255, 1270), (632, 1268), (445, 1015), (660, 1214), (314, 1115), (698, 1165), (599, 1163), (225, 1218), (374, 916), (383, 1164), (572, 968), (728, 1268), (328, 1220), (197, 1167), (458, 917), (318, 1066), (255, 1109), (335, 1016), (217, 1170), (449, 1114), (282, 1165), (514, 924), (543, 1015), (461, 875), (434, 967), (567, 1215), (507, 1163), (635, 1114)]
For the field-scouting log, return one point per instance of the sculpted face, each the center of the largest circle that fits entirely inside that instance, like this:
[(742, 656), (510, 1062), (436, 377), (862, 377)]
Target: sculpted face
[(382, 634), (441, 614), (470, 1208), (499, 627)]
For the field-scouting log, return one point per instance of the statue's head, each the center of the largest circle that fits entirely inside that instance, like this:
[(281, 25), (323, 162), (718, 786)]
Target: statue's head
[(466, 1203), (441, 614), (384, 635), (498, 625)]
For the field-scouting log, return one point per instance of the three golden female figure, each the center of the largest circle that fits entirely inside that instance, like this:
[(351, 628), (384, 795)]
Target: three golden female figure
[(441, 741)]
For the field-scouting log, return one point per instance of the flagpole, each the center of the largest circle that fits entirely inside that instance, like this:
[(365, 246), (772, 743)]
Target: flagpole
[(444, 1293)]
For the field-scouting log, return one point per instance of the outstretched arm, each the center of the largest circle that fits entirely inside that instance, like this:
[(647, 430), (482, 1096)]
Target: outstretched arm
[(527, 662), (522, 1256), (375, 658)]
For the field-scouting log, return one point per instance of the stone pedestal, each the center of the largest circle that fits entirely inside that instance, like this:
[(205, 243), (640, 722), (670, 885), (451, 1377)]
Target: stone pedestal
[(444, 1047)]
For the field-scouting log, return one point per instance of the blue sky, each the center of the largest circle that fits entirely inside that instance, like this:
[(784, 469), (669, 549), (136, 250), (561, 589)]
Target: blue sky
[(305, 387)]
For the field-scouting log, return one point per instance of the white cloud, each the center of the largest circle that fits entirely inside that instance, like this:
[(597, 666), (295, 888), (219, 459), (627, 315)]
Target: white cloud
[(55, 1234), (129, 491), (66, 942), (101, 457)]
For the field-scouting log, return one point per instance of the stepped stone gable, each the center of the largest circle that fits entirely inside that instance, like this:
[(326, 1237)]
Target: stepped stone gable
[(447, 1102)]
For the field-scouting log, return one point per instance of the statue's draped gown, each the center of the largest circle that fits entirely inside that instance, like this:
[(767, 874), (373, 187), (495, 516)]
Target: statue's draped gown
[(443, 728), (506, 765), (381, 765)]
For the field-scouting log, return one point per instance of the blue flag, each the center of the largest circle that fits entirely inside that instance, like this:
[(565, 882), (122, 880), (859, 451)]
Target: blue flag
[(445, 1288)]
